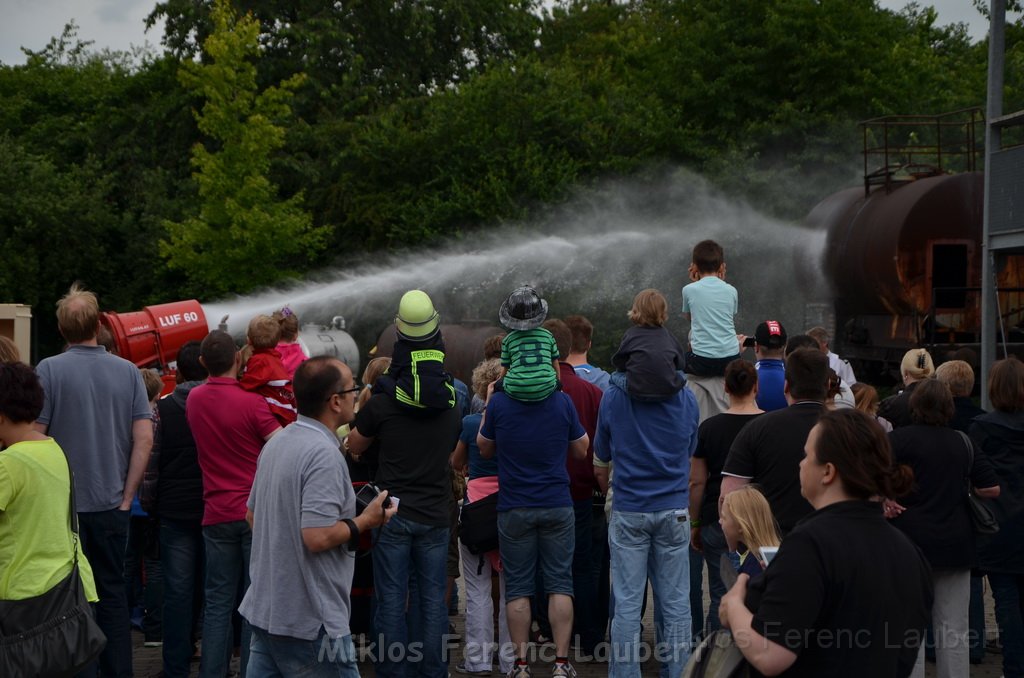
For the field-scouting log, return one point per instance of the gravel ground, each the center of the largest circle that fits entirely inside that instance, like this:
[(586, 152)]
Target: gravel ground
[(148, 661)]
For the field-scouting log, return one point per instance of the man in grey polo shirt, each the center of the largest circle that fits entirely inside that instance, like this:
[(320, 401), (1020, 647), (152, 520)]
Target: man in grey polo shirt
[(304, 532), (97, 410)]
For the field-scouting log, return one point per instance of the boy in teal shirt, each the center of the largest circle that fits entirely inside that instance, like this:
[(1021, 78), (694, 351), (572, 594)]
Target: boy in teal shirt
[(710, 304)]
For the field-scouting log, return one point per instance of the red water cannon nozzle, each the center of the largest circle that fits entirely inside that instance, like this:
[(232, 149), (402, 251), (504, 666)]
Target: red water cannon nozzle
[(151, 337)]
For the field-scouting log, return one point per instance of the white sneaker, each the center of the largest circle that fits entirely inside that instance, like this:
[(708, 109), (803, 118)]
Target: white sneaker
[(563, 671)]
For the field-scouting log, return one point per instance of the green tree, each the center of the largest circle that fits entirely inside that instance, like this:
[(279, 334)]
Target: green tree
[(359, 57), (1014, 72), (764, 98), (507, 143), (358, 54), (93, 157), (56, 227), (244, 235)]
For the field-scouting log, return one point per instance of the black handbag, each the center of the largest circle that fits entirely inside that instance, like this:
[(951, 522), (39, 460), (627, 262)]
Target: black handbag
[(478, 524), (982, 518), (52, 634)]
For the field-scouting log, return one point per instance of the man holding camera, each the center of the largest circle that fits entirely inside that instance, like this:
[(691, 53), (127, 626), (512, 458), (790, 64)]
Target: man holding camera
[(304, 533)]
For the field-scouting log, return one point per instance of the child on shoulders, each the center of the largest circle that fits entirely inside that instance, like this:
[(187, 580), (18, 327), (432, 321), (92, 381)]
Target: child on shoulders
[(710, 304), (416, 377), (528, 352), (649, 360)]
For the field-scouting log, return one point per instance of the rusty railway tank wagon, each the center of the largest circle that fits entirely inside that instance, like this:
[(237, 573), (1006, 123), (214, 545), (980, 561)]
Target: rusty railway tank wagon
[(903, 252)]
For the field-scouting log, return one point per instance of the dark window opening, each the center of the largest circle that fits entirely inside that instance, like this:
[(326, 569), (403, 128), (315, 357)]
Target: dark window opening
[(949, 269)]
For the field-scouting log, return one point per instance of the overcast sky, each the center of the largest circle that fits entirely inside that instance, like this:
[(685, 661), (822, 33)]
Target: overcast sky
[(118, 24)]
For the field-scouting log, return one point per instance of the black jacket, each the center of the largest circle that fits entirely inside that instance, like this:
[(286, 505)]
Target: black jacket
[(964, 414), (1000, 436), (896, 409), (180, 482)]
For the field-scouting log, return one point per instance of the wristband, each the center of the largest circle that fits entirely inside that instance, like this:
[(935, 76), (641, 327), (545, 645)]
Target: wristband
[(353, 534), (694, 523)]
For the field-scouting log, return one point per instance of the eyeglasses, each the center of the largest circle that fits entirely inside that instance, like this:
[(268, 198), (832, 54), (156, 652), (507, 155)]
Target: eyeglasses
[(355, 389)]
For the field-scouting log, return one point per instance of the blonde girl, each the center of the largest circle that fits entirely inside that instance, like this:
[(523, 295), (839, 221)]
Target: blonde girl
[(374, 369), (749, 526), (650, 360)]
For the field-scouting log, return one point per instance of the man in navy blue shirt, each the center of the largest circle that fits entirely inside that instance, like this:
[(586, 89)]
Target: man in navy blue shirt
[(650, 444), (536, 520)]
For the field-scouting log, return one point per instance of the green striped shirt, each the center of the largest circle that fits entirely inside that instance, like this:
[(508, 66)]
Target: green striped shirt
[(529, 356)]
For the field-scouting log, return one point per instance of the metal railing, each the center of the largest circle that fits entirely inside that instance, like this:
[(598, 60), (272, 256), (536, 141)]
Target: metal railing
[(903, 148)]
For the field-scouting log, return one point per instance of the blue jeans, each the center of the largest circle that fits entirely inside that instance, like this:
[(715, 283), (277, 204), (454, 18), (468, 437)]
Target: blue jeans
[(530, 535), (657, 543), (272, 656), (227, 562), (1008, 592), (584, 584), (713, 540), (181, 556), (104, 536), (410, 646)]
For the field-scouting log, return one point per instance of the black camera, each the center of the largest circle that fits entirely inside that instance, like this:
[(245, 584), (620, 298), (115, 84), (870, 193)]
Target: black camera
[(365, 496)]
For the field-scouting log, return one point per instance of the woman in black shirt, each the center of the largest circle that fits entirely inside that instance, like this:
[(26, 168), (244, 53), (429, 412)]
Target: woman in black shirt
[(1000, 437), (714, 438), (847, 594), (936, 515), (916, 367)]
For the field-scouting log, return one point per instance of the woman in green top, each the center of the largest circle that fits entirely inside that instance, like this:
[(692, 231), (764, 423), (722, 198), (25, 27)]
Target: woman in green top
[(37, 548)]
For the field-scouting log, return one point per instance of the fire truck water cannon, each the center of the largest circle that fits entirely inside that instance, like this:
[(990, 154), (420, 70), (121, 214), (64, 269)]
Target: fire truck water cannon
[(151, 337)]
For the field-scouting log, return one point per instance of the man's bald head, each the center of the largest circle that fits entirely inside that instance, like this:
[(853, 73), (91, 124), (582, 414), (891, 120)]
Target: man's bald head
[(78, 315)]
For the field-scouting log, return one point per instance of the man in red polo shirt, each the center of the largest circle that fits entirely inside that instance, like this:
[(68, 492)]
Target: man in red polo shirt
[(587, 399), (230, 426)]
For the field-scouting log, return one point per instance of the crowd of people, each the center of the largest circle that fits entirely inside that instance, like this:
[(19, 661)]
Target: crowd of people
[(237, 510)]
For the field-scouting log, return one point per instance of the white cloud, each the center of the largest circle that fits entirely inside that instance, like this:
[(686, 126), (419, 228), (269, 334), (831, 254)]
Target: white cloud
[(116, 11), (113, 24), (950, 12)]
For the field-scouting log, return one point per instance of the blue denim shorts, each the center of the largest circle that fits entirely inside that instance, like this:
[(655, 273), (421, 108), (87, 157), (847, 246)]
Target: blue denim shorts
[(529, 535)]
